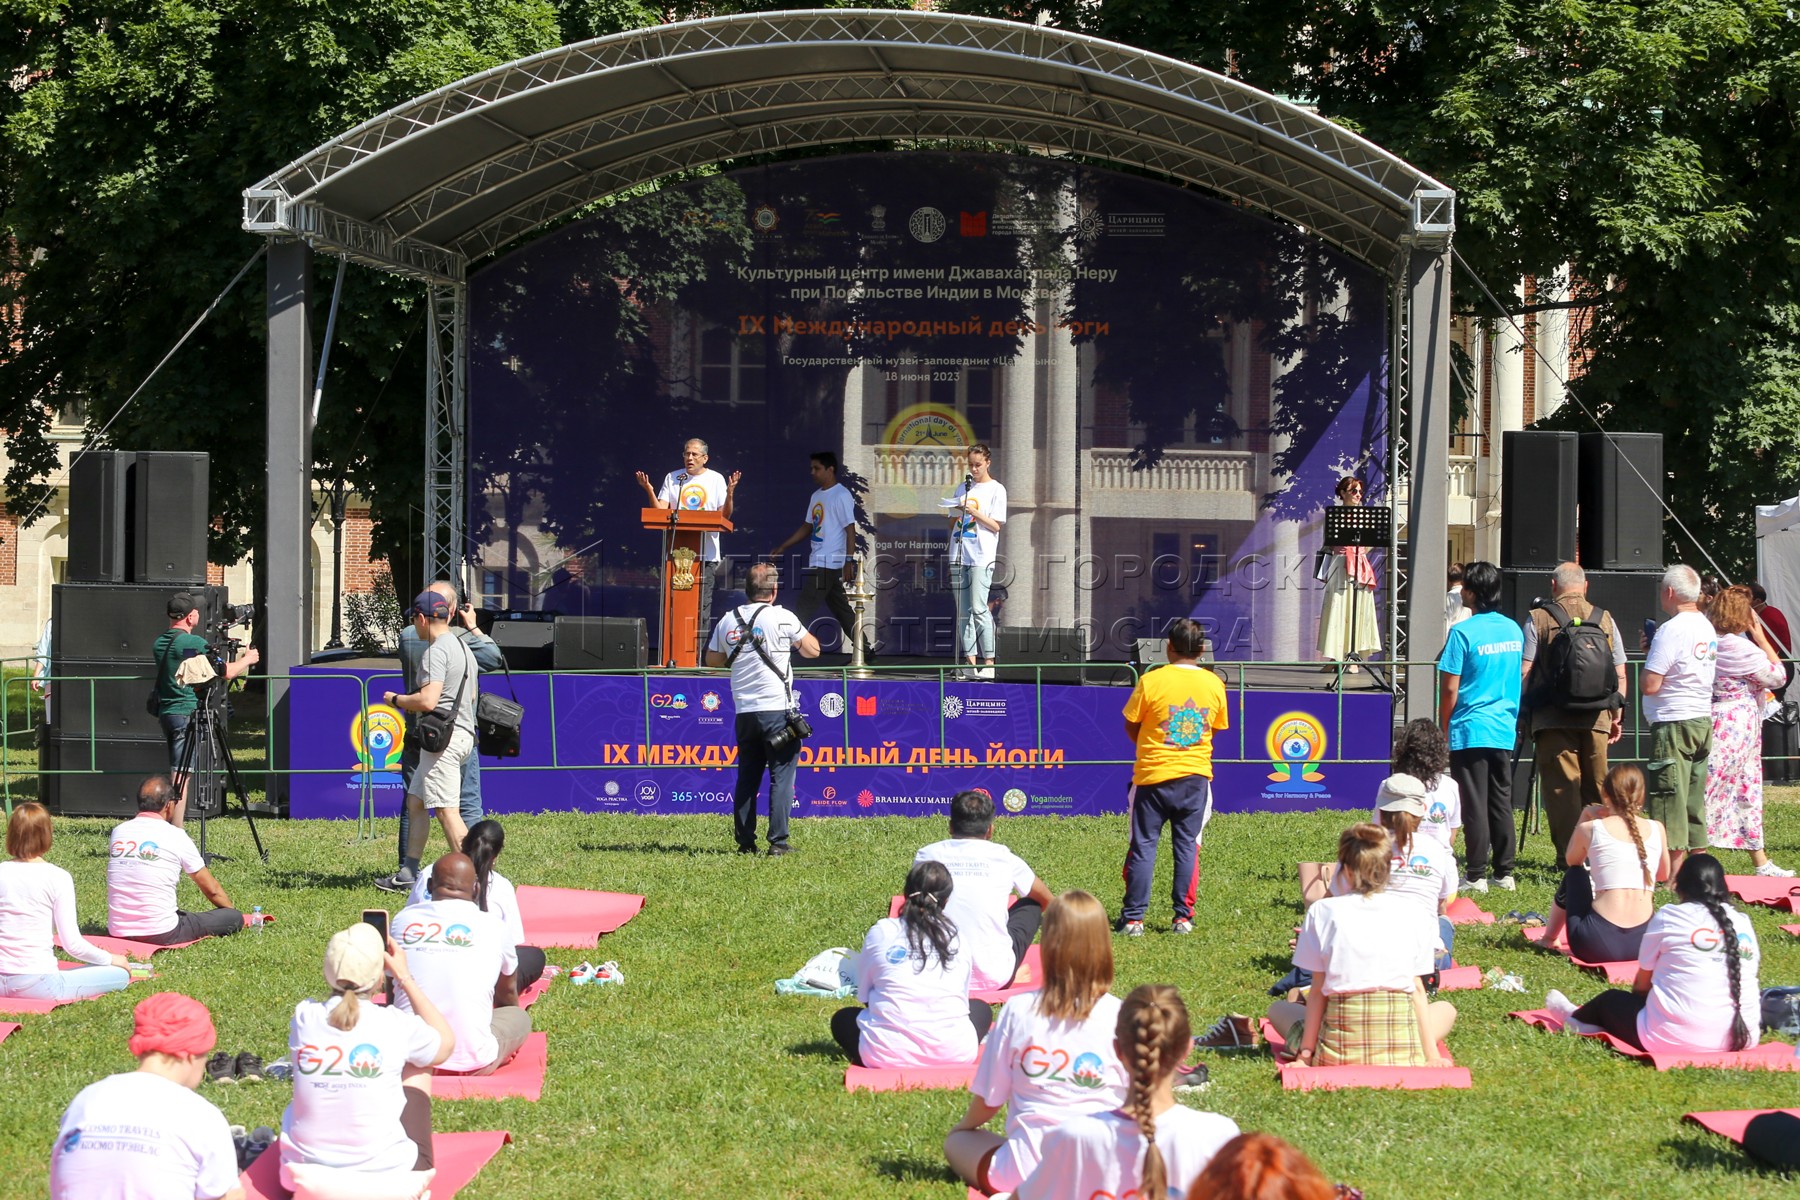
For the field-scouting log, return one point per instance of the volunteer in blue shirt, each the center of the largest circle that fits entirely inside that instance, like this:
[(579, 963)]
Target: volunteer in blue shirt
[(1478, 705)]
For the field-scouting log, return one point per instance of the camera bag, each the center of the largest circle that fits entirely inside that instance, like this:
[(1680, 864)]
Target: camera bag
[(498, 720), (435, 728)]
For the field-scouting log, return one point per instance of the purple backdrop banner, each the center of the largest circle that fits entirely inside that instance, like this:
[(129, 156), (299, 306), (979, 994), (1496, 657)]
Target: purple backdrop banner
[(663, 744)]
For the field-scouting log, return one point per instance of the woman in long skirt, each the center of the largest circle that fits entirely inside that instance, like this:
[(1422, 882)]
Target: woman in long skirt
[(1347, 622), (1748, 665)]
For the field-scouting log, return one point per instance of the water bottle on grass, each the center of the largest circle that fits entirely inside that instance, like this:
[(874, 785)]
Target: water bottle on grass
[(256, 918)]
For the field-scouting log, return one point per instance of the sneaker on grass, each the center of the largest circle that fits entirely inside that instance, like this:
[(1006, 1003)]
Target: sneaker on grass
[(249, 1068), (400, 881), (222, 1068), (1506, 884), (1771, 870), (1132, 928), (1192, 1079), (1230, 1033), (1181, 925), (1473, 885)]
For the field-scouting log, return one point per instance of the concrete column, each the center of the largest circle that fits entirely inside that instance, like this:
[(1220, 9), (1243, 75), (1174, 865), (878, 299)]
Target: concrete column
[(1018, 470), (287, 571), (1553, 341), (1282, 627), (1428, 312), (1505, 412)]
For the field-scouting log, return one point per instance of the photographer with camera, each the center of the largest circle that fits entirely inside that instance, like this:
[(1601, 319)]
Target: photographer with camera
[(769, 727), (175, 701), (412, 659)]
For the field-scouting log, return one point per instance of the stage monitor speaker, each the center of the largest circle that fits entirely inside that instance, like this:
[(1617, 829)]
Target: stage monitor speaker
[(101, 507), (1538, 496), (1622, 501), (528, 644), (119, 623), (172, 516), (1021, 651), (601, 644), (122, 763), (1629, 597)]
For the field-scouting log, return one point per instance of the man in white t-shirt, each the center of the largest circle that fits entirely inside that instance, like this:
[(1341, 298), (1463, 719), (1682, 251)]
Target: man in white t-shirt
[(830, 535), (1677, 689), (146, 858), (975, 521), (761, 695), (987, 875), (697, 488), (145, 1135), (447, 687), (463, 960)]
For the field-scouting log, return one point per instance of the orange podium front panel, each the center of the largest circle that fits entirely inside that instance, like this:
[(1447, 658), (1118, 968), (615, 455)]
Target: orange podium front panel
[(680, 615)]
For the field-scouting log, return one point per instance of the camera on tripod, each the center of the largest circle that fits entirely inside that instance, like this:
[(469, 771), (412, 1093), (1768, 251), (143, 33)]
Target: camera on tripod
[(221, 647)]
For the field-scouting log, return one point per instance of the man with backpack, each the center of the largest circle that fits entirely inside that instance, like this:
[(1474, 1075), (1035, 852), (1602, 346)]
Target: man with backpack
[(1574, 664)]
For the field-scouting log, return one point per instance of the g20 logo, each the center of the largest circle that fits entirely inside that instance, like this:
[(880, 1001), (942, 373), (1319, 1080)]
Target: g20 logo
[(1041, 1062), (361, 1062), (431, 933), (123, 848)]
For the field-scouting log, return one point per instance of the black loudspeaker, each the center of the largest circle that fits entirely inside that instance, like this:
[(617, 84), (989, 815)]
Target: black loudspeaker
[(528, 643), (1539, 493), (101, 507), (103, 698), (1622, 501), (169, 537), (119, 623), (1038, 647), (122, 764), (600, 644), (1629, 597)]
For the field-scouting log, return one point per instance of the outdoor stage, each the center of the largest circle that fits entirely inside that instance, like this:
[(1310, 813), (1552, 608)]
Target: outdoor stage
[(894, 744)]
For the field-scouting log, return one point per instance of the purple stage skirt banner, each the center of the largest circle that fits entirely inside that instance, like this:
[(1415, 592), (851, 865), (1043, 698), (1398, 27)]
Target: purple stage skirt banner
[(880, 747)]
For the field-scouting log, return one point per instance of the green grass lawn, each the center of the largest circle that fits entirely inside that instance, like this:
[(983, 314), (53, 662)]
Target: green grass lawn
[(696, 1079)]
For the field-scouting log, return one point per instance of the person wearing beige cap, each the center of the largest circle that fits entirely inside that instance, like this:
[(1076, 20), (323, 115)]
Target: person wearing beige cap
[(362, 1072), (1424, 869)]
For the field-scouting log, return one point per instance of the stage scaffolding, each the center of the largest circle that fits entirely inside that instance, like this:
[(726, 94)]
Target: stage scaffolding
[(459, 174)]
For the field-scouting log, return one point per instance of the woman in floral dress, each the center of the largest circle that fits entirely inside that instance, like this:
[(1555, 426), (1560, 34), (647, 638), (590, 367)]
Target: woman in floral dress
[(1748, 666)]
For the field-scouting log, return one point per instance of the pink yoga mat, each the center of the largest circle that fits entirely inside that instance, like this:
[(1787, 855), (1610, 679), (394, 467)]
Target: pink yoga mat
[(460, 1157), (1462, 911), (572, 917), (1459, 979), (19, 1006), (1793, 929), (1624, 973), (8, 1028), (143, 950), (1028, 978), (906, 1079), (1732, 1122), (1755, 889), (522, 1077), (1326, 1079), (1770, 1056)]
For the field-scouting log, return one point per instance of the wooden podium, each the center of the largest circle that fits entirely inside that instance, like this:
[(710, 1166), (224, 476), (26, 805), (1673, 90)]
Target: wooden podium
[(683, 531)]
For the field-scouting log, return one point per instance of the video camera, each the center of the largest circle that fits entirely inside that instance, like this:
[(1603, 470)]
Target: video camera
[(221, 647)]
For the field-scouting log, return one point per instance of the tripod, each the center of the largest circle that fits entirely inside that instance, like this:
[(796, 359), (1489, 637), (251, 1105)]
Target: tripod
[(208, 729)]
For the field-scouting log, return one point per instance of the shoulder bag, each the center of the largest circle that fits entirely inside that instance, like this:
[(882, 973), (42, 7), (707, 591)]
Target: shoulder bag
[(435, 727), (498, 720)]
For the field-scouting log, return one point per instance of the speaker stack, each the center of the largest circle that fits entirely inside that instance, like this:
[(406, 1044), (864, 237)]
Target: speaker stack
[(137, 535), (1592, 498)]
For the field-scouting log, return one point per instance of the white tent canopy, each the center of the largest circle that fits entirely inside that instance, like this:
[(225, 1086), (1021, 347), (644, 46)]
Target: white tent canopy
[(1778, 552)]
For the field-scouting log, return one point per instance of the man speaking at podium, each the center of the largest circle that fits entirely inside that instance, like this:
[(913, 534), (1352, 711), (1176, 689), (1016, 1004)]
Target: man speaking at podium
[(696, 489)]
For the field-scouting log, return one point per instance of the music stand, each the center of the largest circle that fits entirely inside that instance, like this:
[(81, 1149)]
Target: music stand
[(1366, 527)]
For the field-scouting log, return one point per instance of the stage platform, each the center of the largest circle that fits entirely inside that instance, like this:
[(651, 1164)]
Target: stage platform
[(900, 742)]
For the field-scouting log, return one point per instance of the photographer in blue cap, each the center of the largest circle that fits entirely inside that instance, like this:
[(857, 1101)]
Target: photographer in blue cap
[(443, 724)]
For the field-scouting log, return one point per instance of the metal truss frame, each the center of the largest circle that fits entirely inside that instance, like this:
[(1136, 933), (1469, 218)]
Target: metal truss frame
[(446, 448)]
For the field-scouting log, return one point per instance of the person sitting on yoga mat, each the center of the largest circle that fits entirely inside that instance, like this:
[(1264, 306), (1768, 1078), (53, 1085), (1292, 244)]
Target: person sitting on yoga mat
[(1261, 1166), (465, 961), (1696, 987), (148, 855), (1422, 868), (494, 893), (913, 975), (37, 910), (1050, 1056), (1149, 1144), (362, 1072), (1616, 855), (1422, 751), (987, 875), (1368, 951), (144, 1132)]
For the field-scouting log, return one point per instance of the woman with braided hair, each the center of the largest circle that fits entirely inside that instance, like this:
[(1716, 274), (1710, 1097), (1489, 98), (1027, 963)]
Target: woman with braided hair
[(1151, 1146), (913, 976), (1696, 988), (1616, 855)]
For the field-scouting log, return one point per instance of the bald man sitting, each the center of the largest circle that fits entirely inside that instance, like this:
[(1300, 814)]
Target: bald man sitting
[(462, 959)]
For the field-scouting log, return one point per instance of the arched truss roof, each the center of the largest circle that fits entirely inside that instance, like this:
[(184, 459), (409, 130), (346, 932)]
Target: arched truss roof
[(453, 176)]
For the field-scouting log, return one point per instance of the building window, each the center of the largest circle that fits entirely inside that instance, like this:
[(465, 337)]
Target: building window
[(731, 368)]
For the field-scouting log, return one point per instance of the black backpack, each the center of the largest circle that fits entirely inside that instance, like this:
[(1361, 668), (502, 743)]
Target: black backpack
[(1575, 670)]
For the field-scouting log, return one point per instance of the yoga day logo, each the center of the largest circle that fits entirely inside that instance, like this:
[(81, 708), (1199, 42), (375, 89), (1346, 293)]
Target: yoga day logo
[(1296, 743), (378, 738)]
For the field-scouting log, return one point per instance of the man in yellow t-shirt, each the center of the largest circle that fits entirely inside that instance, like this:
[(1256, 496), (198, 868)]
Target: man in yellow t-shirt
[(1171, 716)]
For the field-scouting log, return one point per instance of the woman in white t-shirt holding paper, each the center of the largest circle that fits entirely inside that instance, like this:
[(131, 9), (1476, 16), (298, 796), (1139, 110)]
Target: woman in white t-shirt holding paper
[(977, 511), (362, 1072), (1368, 950), (1696, 988), (913, 979), (1150, 1147), (1050, 1056), (37, 910)]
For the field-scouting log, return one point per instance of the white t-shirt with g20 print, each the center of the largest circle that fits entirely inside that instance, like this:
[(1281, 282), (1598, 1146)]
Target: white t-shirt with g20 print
[(503, 902), (1381, 942), (754, 687), (146, 858), (457, 953), (1103, 1155), (1044, 1072), (138, 1136), (1685, 652), (1689, 1006), (917, 1009), (1427, 876), (347, 1091), (984, 875), (973, 544)]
